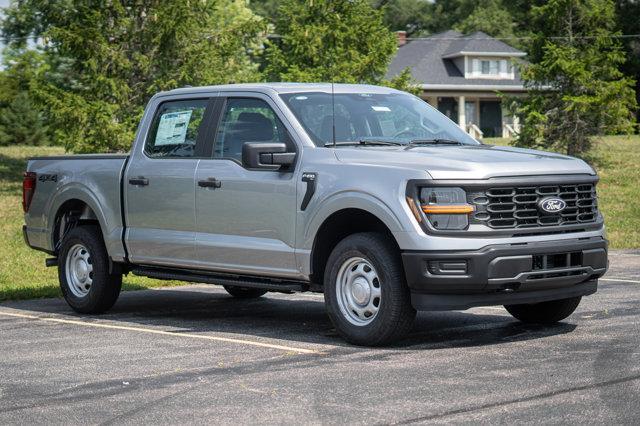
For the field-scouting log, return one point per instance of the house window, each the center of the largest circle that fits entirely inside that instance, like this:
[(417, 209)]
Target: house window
[(497, 68), (490, 67), (485, 67)]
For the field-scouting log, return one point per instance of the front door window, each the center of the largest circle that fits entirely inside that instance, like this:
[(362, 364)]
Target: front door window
[(247, 120)]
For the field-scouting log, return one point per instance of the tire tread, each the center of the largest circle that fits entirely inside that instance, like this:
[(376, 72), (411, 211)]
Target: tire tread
[(400, 315)]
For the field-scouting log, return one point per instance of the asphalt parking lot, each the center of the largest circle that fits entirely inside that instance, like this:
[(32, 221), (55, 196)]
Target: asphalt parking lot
[(194, 355)]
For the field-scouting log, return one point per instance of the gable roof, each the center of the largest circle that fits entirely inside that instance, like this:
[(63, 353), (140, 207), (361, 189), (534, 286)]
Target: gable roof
[(479, 43), (431, 61)]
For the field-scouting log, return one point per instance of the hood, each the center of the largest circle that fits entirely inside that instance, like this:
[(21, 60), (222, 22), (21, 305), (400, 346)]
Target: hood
[(466, 162)]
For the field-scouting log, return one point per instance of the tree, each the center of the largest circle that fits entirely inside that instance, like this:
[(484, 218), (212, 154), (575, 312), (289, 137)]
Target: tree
[(106, 58), (412, 16), (21, 123), (490, 17), (577, 90), (628, 12), (321, 40), (268, 9)]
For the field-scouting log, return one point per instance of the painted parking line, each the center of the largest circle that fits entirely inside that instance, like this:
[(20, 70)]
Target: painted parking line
[(622, 280), (162, 332), (491, 308)]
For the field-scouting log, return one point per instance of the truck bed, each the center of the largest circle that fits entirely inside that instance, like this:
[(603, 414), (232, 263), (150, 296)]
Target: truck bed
[(92, 179)]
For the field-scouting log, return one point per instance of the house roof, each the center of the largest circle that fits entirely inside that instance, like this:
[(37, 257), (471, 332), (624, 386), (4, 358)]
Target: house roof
[(431, 61), (479, 43)]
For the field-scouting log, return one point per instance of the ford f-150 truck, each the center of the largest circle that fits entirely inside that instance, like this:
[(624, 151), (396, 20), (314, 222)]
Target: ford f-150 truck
[(364, 193)]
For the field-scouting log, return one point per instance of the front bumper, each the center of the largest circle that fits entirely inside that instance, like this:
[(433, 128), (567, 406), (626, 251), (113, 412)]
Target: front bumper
[(505, 273)]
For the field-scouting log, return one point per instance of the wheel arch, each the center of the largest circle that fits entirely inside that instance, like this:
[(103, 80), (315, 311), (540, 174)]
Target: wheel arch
[(73, 207), (336, 227)]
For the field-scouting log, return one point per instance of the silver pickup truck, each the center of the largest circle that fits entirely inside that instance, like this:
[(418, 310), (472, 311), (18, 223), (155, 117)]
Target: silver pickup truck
[(364, 193)]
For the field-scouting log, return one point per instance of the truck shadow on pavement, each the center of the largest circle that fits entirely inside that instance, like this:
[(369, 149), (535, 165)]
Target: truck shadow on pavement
[(294, 318)]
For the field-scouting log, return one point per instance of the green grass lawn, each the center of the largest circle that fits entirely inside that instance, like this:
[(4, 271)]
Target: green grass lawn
[(23, 274), (22, 271)]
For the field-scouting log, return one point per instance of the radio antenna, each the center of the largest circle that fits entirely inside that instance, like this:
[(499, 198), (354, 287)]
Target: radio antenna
[(333, 114)]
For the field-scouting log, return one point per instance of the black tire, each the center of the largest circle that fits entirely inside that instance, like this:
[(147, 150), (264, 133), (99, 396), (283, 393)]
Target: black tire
[(395, 313), (105, 287), (544, 312), (244, 292)]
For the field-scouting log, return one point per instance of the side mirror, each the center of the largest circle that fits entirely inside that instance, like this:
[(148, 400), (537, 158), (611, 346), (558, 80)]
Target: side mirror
[(266, 156)]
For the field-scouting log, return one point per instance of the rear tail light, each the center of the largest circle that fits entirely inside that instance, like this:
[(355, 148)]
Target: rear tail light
[(28, 189)]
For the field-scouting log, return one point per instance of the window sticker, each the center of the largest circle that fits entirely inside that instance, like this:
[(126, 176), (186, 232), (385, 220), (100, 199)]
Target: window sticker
[(172, 129), (380, 108)]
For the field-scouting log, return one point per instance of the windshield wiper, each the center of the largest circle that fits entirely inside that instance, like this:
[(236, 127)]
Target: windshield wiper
[(364, 142), (418, 142)]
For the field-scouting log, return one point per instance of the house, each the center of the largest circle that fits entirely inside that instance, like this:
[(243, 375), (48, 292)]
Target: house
[(462, 76)]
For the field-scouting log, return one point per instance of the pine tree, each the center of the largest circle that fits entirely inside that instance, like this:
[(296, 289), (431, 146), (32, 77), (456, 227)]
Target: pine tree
[(577, 90), (22, 124)]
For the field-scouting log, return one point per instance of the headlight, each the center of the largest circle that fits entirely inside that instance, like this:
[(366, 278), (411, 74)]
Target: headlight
[(445, 208)]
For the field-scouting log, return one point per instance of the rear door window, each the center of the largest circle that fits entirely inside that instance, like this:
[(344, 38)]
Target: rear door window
[(175, 129)]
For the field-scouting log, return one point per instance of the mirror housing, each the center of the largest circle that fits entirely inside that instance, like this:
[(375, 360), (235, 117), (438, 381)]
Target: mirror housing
[(266, 156)]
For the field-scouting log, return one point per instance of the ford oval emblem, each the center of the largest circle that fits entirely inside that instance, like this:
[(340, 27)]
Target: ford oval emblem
[(552, 205)]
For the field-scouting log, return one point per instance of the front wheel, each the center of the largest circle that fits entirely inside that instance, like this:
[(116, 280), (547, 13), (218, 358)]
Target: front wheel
[(544, 312), (83, 272), (365, 291)]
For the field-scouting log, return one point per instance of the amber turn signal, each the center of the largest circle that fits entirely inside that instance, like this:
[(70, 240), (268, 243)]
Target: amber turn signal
[(414, 209), (448, 209)]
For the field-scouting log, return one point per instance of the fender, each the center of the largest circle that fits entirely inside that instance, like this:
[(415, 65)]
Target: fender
[(349, 200), (78, 191)]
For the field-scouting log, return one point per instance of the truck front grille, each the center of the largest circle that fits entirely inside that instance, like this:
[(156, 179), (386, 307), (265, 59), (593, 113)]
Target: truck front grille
[(517, 207)]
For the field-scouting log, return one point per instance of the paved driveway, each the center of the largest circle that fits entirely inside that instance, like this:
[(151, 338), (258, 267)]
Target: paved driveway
[(194, 355)]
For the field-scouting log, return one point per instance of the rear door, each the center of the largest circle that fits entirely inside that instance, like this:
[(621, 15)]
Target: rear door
[(246, 223), (160, 186)]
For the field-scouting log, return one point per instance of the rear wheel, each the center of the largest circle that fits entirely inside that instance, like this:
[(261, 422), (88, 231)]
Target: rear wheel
[(365, 291), (544, 312), (83, 272), (244, 292)]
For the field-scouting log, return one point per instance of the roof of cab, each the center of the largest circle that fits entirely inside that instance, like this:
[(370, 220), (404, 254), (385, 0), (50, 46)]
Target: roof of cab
[(283, 88)]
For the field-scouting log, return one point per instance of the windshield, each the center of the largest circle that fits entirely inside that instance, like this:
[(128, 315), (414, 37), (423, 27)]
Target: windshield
[(393, 117)]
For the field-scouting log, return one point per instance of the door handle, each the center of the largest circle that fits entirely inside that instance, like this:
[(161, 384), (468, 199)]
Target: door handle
[(210, 183), (139, 181)]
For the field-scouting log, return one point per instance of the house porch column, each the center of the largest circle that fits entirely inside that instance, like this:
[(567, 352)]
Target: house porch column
[(462, 122)]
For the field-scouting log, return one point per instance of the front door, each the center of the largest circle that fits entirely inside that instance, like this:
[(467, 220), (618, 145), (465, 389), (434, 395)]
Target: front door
[(246, 222), (449, 107), (160, 186), (491, 119)]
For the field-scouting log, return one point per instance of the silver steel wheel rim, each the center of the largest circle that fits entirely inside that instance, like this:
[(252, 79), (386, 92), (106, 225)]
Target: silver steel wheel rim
[(79, 270), (358, 291)]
